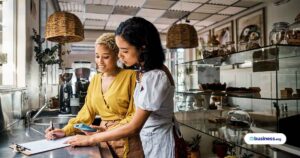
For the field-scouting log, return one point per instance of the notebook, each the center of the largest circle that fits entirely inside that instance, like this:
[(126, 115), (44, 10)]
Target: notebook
[(40, 146)]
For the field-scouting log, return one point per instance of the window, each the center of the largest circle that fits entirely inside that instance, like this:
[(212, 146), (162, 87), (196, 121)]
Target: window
[(7, 43)]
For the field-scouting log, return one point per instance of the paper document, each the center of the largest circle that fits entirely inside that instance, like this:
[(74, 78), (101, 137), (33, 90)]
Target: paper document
[(43, 145)]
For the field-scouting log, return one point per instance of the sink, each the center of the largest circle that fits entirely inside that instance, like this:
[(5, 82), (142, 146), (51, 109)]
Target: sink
[(42, 123), (55, 120)]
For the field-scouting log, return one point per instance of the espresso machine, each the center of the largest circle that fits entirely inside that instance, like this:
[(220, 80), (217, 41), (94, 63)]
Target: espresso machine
[(82, 84), (65, 91)]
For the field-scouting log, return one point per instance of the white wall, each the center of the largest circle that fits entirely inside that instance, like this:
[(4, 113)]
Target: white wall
[(286, 12)]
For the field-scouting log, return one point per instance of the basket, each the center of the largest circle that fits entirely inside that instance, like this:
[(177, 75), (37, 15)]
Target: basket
[(64, 27), (182, 36)]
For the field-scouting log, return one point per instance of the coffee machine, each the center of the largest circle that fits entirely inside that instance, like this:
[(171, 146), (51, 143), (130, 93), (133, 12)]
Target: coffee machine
[(82, 84), (65, 91)]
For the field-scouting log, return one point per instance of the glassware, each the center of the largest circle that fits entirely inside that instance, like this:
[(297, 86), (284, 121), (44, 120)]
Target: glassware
[(212, 47), (238, 118), (278, 33), (230, 47), (293, 35)]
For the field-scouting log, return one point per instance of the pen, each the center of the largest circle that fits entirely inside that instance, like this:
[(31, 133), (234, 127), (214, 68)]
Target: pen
[(51, 126)]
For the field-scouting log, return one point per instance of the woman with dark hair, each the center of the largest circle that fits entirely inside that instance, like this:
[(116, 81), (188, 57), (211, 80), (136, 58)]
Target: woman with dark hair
[(139, 44), (110, 96)]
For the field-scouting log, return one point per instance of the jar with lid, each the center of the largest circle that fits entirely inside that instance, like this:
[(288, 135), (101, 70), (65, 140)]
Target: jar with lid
[(293, 35), (212, 46), (278, 33), (230, 47)]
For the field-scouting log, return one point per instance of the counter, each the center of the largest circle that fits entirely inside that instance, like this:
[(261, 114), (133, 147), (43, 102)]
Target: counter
[(20, 134)]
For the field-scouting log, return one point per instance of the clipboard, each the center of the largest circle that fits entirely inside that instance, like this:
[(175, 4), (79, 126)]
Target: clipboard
[(39, 146)]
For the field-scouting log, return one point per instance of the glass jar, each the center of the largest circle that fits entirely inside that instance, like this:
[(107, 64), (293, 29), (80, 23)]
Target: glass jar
[(293, 35), (230, 47), (212, 48), (278, 33)]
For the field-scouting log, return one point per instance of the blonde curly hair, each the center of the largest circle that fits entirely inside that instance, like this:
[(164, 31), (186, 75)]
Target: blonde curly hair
[(108, 39)]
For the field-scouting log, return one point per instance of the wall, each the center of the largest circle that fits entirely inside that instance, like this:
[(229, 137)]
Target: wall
[(286, 12)]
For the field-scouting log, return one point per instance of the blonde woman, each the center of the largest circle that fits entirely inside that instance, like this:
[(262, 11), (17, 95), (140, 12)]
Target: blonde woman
[(110, 95)]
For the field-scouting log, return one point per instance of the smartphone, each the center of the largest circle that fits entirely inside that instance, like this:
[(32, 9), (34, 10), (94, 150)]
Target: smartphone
[(84, 127)]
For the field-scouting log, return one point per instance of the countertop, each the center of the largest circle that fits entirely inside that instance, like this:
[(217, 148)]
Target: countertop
[(18, 133)]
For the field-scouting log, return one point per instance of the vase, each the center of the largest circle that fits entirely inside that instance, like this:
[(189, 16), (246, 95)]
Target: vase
[(43, 85), (194, 154), (221, 150)]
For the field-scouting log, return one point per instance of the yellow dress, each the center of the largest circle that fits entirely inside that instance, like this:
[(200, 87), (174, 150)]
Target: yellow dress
[(116, 104)]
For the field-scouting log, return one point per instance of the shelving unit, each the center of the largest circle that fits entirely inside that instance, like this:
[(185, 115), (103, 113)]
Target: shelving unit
[(224, 94), (271, 68)]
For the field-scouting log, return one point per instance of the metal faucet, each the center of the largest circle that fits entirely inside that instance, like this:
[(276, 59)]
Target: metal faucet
[(40, 110), (29, 112)]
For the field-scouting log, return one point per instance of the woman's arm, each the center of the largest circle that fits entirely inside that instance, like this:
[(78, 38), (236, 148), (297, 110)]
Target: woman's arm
[(132, 128)]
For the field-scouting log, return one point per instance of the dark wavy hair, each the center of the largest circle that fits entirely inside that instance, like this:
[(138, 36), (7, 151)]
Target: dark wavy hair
[(144, 36)]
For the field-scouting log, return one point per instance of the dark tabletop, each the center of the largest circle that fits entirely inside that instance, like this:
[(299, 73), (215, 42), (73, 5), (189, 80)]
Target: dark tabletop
[(18, 133)]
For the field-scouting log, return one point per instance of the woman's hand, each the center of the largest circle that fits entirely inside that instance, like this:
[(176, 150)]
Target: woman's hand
[(81, 140), (54, 134), (99, 129)]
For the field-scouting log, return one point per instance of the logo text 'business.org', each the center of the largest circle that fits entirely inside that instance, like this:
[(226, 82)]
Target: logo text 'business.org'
[(265, 138)]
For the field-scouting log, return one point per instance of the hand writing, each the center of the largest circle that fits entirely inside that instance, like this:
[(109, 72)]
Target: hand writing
[(54, 134)]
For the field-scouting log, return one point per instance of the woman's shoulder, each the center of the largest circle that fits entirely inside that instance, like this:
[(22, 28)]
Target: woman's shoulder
[(154, 73), (128, 72), (95, 76), (157, 75), (154, 76)]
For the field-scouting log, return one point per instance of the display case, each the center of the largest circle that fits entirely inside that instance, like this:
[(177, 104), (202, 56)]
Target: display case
[(263, 83)]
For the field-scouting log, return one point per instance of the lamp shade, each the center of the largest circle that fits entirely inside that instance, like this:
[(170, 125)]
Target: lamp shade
[(64, 27), (182, 36)]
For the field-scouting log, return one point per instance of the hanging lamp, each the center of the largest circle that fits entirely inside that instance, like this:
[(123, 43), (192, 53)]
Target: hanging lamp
[(182, 36), (64, 27)]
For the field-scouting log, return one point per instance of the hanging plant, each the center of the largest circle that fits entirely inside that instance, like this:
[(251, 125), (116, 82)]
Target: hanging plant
[(46, 56)]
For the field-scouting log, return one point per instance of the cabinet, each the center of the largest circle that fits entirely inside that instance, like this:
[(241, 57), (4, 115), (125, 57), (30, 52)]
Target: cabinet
[(264, 83)]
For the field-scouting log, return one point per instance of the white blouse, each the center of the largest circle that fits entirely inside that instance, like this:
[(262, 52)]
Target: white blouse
[(155, 93)]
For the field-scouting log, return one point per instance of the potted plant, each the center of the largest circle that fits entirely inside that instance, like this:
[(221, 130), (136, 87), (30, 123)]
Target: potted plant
[(220, 148), (46, 56), (194, 147)]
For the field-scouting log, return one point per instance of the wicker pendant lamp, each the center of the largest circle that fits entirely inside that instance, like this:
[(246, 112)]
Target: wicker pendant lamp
[(182, 36), (64, 27)]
